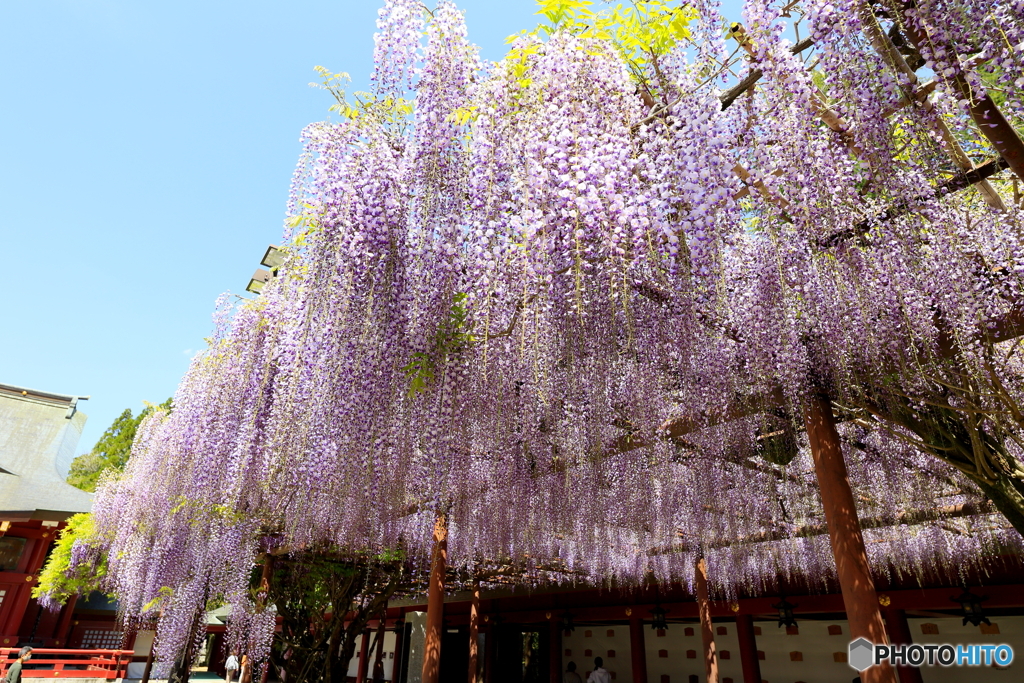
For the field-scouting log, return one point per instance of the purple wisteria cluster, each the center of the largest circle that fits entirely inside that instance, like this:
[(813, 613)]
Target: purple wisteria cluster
[(508, 281)]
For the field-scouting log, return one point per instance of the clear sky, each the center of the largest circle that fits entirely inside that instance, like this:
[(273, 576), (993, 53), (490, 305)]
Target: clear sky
[(145, 155)]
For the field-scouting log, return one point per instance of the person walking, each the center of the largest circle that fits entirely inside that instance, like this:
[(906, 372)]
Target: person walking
[(599, 674), (231, 667), (570, 674), (14, 673), (245, 671)]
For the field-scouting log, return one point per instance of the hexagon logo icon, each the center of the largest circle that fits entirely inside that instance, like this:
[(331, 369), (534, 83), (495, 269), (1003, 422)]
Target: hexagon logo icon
[(862, 654)]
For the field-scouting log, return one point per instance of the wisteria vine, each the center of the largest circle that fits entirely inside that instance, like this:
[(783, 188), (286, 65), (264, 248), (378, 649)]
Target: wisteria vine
[(506, 281)]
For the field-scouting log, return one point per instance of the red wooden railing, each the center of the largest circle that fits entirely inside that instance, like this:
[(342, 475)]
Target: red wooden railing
[(51, 663)]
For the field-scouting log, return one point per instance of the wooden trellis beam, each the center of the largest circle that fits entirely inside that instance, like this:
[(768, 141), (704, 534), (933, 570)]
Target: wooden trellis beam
[(954, 184), (909, 517), (1009, 326), (888, 51), (983, 109), (733, 93)]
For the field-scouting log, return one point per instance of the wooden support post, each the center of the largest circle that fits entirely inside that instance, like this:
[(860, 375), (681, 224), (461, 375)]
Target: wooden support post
[(149, 660), (748, 649), (435, 603), (364, 657), (637, 649), (554, 649), (60, 632), (474, 633), (858, 588), (899, 633), (707, 632)]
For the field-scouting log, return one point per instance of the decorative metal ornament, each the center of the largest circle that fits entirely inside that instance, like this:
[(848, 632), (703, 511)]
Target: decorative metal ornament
[(567, 624), (786, 617), (971, 605), (658, 622)]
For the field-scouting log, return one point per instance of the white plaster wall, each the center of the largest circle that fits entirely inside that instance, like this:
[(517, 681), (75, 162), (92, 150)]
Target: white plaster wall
[(678, 665), (952, 631), (813, 641), (815, 645), (389, 655), (599, 643)]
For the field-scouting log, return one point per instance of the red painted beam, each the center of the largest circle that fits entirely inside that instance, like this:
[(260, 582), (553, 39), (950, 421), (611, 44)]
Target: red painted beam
[(1004, 596)]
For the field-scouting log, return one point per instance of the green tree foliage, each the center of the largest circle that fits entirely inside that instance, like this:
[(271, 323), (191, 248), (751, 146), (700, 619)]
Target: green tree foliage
[(112, 450), (640, 31), (56, 580), (324, 602)]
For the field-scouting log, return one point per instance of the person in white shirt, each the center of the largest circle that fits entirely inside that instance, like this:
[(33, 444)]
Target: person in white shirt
[(599, 674), (230, 667)]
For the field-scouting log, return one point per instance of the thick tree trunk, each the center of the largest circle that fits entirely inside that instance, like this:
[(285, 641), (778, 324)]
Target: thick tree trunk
[(1007, 494), (945, 434)]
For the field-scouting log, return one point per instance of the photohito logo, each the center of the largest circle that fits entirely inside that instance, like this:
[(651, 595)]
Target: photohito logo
[(864, 654)]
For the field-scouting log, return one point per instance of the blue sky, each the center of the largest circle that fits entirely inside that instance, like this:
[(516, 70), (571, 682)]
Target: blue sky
[(145, 155)]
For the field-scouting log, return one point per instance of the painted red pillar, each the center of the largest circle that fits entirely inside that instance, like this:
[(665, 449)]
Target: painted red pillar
[(707, 631), (18, 609), (364, 658), (61, 632), (851, 558), (474, 634), (637, 649), (748, 648), (899, 633), (31, 563), (435, 603)]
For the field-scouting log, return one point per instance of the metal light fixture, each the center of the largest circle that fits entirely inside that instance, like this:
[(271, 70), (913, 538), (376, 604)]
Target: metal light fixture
[(658, 622), (971, 605), (258, 280), (273, 257), (567, 624), (785, 608)]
